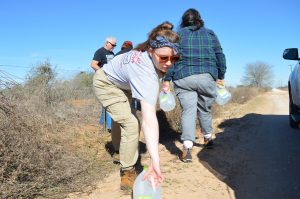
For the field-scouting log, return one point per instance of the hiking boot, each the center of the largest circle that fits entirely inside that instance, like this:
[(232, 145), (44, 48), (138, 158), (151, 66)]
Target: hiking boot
[(116, 157), (208, 143), (127, 178), (186, 155)]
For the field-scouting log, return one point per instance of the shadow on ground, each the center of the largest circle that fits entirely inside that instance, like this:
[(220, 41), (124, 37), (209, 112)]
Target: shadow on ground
[(257, 156), (168, 136)]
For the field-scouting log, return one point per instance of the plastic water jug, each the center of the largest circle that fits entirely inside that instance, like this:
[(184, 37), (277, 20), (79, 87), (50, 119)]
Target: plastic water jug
[(145, 189), (223, 95), (167, 101)]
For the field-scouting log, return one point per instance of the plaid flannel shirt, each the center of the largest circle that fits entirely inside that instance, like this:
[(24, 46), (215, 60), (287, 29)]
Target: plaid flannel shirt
[(201, 53)]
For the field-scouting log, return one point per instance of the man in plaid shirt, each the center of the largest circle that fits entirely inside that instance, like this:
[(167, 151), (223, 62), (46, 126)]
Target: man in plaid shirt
[(195, 76)]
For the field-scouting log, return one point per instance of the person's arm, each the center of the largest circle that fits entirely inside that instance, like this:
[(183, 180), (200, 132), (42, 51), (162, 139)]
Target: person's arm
[(151, 133), (221, 61), (94, 65)]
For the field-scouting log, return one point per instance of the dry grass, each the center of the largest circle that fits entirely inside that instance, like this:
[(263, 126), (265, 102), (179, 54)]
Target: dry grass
[(48, 146), (41, 153)]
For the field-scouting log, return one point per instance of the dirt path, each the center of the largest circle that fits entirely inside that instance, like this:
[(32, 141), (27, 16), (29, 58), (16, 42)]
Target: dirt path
[(256, 155)]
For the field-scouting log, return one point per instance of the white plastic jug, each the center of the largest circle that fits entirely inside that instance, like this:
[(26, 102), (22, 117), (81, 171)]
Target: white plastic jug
[(167, 101), (223, 95), (145, 189)]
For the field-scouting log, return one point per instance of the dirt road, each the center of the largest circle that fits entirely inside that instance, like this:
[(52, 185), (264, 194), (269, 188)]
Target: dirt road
[(256, 155), (262, 151)]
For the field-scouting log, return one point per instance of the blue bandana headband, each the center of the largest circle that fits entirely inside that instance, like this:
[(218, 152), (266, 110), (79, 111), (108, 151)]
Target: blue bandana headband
[(163, 42)]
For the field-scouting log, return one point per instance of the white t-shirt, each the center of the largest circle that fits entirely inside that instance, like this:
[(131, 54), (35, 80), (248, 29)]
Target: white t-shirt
[(134, 71)]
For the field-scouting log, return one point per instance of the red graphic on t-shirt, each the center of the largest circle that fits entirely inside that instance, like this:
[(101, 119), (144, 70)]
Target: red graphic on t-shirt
[(133, 57), (136, 57)]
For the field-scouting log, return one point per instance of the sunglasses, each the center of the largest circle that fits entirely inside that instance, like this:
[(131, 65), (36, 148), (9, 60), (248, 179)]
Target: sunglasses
[(114, 45), (165, 59)]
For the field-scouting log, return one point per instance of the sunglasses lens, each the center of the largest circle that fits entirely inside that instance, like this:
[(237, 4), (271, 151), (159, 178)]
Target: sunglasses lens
[(175, 59), (164, 59)]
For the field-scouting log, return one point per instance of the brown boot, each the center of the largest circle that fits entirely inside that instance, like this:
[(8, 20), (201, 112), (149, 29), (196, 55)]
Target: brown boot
[(127, 178)]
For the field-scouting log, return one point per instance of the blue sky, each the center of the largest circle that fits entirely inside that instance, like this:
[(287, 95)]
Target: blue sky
[(68, 32)]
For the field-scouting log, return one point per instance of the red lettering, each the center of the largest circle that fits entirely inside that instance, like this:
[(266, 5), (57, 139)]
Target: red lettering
[(136, 57)]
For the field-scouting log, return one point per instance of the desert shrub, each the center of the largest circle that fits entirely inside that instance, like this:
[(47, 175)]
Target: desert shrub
[(83, 79), (35, 154), (39, 82), (80, 87), (26, 156), (66, 90), (243, 94), (43, 147)]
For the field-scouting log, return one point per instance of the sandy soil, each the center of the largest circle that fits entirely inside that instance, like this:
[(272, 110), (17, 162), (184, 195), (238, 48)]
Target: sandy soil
[(234, 168)]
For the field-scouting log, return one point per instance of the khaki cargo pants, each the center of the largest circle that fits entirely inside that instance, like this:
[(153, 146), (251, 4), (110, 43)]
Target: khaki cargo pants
[(125, 126)]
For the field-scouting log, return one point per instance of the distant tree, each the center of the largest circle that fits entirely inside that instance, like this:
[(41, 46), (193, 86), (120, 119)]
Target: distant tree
[(258, 74), (41, 74), (39, 81)]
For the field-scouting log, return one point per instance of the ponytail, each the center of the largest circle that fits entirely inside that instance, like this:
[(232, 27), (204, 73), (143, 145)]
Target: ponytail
[(162, 30)]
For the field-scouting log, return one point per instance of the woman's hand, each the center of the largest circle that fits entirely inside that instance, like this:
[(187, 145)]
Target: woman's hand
[(220, 82), (154, 173), (166, 87)]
